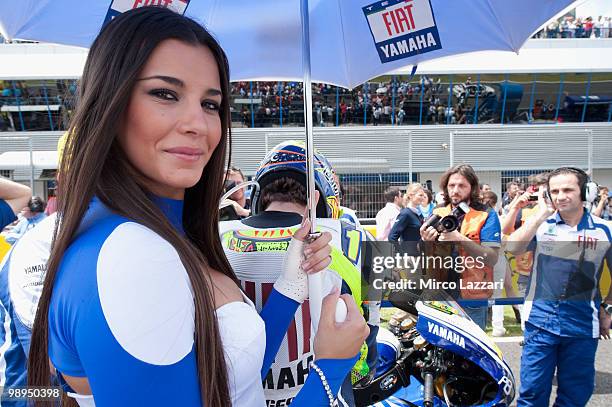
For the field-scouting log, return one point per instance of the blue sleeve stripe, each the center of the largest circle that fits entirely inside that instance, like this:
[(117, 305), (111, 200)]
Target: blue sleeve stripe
[(606, 230)]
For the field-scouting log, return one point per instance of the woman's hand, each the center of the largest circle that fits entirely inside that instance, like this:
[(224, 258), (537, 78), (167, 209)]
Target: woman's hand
[(339, 340), (317, 253), (303, 258)]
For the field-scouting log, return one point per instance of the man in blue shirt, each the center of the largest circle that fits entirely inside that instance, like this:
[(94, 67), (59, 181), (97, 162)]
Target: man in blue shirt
[(566, 315), (13, 197)]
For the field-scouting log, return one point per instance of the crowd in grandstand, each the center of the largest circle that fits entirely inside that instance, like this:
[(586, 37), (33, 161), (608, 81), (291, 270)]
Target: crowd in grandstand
[(580, 27)]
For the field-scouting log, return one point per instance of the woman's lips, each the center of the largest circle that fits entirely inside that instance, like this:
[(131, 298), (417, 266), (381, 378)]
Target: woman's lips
[(186, 153)]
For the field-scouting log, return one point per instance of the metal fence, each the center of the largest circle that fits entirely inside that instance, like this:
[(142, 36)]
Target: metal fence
[(371, 159)]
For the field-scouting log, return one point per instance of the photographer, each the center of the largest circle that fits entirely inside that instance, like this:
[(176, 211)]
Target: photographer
[(523, 207), (478, 235), (565, 316), (601, 208)]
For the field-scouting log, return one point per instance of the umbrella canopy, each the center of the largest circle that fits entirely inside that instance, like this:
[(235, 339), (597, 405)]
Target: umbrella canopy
[(351, 41)]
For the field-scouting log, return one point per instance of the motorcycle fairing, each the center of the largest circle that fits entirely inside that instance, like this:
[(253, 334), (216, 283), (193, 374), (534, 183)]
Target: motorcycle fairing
[(445, 325)]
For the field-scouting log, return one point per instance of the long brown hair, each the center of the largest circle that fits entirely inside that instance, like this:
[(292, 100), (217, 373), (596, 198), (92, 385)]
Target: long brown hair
[(94, 164), (468, 172)]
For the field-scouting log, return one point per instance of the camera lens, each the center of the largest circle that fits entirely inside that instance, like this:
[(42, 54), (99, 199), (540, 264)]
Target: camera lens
[(449, 223)]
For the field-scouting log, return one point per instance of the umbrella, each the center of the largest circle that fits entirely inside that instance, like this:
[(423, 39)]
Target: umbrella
[(350, 41)]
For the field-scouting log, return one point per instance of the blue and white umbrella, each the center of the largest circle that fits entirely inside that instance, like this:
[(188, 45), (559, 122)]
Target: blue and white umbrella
[(351, 41), (340, 42)]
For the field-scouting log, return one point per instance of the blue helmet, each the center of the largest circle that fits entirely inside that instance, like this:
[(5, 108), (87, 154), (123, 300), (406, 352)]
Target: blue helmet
[(288, 159)]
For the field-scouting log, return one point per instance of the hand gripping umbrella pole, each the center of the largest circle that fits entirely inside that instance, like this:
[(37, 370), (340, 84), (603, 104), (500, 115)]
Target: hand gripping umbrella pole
[(315, 281)]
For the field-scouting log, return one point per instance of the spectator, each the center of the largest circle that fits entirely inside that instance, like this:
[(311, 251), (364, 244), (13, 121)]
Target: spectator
[(489, 198), (487, 188), (233, 177), (501, 272), (600, 206), (606, 29), (25, 266), (519, 211), (409, 221), (566, 316), (32, 215), (13, 197), (478, 236), (427, 206), (512, 189), (400, 116), (588, 27), (385, 218), (597, 25), (52, 201)]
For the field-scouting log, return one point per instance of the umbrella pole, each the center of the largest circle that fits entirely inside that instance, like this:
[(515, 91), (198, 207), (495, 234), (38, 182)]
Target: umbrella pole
[(315, 286), (310, 182)]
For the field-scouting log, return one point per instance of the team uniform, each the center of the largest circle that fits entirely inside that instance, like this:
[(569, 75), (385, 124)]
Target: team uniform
[(122, 315), (562, 327), (256, 248), (21, 278)]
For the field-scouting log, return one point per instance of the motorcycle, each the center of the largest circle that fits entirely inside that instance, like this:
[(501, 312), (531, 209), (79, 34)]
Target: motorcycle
[(433, 355)]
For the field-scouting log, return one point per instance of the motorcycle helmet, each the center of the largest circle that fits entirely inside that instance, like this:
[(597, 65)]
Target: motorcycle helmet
[(288, 159)]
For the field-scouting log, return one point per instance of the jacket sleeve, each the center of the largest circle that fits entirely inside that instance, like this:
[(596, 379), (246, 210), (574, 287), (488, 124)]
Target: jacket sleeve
[(277, 313), (313, 393), (398, 227)]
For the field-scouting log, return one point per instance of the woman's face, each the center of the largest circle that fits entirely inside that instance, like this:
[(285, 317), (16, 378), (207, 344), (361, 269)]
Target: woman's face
[(418, 197), (172, 124)]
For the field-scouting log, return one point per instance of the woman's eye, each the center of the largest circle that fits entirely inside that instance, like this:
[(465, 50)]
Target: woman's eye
[(164, 94), (208, 105)]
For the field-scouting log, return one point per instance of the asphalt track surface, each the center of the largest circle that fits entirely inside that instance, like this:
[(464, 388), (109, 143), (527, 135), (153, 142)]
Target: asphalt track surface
[(602, 396)]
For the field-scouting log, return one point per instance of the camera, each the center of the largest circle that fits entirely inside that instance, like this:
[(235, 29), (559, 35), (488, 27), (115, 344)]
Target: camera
[(36, 205), (450, 222)]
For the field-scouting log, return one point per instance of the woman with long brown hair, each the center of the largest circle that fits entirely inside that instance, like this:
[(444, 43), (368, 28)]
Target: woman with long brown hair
[(139, 305)]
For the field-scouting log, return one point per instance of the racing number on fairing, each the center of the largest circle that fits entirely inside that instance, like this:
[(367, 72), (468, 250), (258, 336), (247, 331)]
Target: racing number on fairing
[(506, 385), (351, 244)]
